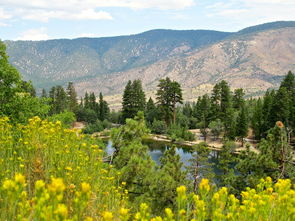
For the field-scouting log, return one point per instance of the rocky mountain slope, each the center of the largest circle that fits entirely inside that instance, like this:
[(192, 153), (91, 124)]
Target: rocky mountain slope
[(53, 62), (255, 58)]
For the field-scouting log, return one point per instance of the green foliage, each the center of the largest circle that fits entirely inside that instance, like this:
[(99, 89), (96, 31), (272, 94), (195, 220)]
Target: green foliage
[(169, 176), (17, 97), (159, 127), (216, 128), (103, 108), (72, 97), (152, 112), (67, 118), (86, 114), (132, 157), (242, 123), (169, 93), (98, 126), (133, 99), (176, 133), (59, 100), (200, 166), (238, 98)]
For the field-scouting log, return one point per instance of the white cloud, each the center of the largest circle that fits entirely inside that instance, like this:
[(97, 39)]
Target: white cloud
[(34, 34), (4, 15), (2, 24), (250, 12), (43, 15), (86, 4), (43, 10)]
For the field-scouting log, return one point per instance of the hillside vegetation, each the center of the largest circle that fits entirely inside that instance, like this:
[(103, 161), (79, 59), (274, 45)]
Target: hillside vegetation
[(253, 58)]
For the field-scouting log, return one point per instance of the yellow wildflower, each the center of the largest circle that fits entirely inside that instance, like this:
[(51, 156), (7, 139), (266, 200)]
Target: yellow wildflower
[(107, 216)]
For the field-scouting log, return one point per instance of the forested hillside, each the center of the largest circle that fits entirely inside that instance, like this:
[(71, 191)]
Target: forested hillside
[(256, 58)]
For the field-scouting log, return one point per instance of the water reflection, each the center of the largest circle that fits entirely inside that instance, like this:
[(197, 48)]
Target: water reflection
[(157, 149)]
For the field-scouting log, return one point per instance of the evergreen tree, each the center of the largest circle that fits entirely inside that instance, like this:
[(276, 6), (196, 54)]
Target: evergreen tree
[(266, 109), (187, 110), (58, 100), (86, 100), (92, 104), (169, 93), (215, 102), (289, 83), (104, 110), (216, 128), (257, 119), (200, 166), (242, 124), (168, 178), (132, 158), (72, 97), (280, 109), (204, 108), (151, 111), (44, 93), (230, 124), (139, 101), (225, 99), (238, 98), (133, 99)]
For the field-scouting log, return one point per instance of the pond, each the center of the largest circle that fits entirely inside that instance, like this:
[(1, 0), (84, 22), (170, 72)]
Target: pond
[(157, 149)]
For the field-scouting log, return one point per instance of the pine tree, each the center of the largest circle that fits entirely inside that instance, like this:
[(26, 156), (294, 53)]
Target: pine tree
[(132, 157), (60, 100), (133, 99), (204, 120), (289, 83), (151, 111), (72, 97), (104, 110), (238, 98), (200, 166), (280, 109), (169, 93), (225, 99), (257, 119), (215, 102), (86, 100), (44, 93), (167, 179), (92, 102), (266, 109), (242, 124), (138, 96)]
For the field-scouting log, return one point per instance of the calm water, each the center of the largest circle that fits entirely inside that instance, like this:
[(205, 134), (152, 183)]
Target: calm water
[(157, 150)]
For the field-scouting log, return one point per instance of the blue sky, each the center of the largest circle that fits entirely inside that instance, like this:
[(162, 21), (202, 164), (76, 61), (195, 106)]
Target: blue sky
[(50, 19)]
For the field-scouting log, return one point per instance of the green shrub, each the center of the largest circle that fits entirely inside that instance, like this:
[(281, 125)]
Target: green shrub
[(98, 126), (159, 127), (66, 118)]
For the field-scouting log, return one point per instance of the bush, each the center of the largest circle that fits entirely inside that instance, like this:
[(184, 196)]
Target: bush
[(87, 115), (66, 118), (176, 132), (159, 127), (96, 127)]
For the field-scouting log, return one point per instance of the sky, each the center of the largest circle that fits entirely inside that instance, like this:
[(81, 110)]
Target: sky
[(53, 19)]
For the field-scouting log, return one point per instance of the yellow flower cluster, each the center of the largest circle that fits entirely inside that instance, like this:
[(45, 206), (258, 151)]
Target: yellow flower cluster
[(51, 173)]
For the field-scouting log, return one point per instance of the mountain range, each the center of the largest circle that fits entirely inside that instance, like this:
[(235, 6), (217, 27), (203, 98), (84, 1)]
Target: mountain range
[(255, 58)]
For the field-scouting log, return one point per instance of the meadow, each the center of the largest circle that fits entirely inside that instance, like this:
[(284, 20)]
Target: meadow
[(49, 172)]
